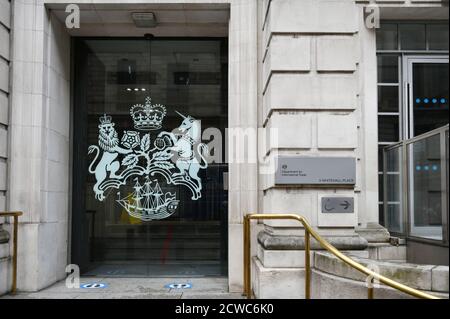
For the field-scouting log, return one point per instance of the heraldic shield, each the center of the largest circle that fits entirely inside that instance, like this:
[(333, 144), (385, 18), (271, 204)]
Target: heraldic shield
[(142, 159)]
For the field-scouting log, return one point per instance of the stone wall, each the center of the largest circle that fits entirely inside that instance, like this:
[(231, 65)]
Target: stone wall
[(40, 129), (40, 166), (5, 30), (313, 64), (311, 96), (5, 27), (318, 89), (306, 68)]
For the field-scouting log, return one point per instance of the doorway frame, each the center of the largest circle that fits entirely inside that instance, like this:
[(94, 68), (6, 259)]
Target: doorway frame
[(407, 76), (407, 122), (77, 180)]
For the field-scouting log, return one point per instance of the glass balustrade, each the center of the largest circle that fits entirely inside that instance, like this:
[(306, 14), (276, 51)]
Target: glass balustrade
[(416, 186)]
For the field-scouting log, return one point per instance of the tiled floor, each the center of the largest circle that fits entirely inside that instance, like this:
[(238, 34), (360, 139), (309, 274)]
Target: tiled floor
[(136, 288)]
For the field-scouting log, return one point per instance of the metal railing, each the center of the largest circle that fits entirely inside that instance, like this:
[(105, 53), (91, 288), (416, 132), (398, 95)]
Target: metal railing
[(15, 215), (309, 231)]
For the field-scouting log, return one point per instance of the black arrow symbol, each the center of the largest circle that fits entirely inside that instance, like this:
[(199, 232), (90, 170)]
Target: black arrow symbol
[(346, 205)]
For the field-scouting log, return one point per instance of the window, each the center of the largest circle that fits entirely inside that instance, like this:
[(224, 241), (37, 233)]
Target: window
[(395, 43)]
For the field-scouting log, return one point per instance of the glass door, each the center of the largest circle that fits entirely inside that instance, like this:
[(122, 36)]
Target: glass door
[(427, 108), (149, 189), (427, 94)]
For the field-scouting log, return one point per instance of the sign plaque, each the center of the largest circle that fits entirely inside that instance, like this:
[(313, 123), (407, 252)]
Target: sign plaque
[(338, 205), (316, 171)]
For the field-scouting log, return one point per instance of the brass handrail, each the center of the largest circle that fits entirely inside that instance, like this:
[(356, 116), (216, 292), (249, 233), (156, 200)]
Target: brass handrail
[(15, 231), (309, 231)]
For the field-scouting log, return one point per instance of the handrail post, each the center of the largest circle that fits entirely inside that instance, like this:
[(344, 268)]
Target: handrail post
[(307, 265), (14, 282), (370, 289), (15, 215), (247, 266)]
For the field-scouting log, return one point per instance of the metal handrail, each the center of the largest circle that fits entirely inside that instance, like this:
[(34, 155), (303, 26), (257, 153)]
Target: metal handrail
[(309, 231), (15, 231)]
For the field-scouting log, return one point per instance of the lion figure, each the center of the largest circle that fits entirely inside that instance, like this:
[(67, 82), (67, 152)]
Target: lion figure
[(108, 165)]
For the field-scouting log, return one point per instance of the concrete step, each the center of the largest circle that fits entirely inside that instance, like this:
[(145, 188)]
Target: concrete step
[(422, 277), (5, 269), (4, 250)]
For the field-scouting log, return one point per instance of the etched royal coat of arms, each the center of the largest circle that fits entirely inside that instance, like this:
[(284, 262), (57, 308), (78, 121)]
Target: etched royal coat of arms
[(140, 158)]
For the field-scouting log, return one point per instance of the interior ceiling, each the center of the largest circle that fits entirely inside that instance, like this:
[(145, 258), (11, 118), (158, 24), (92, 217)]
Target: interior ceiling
[(173, 20)]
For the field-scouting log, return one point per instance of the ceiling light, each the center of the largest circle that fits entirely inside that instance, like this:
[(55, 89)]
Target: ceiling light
[(144, 19)]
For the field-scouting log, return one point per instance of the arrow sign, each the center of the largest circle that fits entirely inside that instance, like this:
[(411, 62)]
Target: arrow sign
[(346, 204), (338, 205)]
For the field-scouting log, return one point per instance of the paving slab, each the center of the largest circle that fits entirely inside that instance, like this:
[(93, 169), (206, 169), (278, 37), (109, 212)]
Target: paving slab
[(136, 288)]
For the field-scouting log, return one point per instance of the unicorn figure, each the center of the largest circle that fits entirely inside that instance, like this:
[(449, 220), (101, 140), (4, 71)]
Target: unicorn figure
[(190, 153)]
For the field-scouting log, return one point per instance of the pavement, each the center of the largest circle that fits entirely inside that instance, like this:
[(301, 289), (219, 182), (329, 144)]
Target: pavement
[(135, 288)]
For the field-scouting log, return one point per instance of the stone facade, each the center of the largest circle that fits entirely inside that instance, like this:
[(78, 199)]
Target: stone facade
[(5, 28), (306, 69), (318, 88), (5, 58), (41, 126), (313, 60), (40, 129)]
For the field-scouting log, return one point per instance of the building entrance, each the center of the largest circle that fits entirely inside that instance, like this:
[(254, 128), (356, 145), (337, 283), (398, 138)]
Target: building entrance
[(149, 188)]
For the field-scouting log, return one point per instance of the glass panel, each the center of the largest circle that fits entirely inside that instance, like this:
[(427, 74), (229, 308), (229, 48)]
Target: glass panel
[(446, 161), (380, 158), (380, 187), (425, 188), (387, 37), (393, 157), (388, 100), (394, 222), (387, 69), (388, 128), (394, 219), (161, 209), (430, 96), (437, 36), (381, 214), (412, 36), (393, 186)]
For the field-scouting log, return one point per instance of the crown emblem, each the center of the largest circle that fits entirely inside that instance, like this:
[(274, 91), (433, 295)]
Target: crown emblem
[(105, 120), (148, 117)]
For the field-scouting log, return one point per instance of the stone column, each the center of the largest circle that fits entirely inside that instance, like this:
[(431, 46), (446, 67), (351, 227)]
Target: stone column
[(312, 97), (242, 122), (5, 30), (39, 161), (368, 226)]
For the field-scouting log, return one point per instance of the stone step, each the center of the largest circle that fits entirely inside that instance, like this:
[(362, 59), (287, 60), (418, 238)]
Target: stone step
[(4, 250), (5, 274), (422, 277)]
